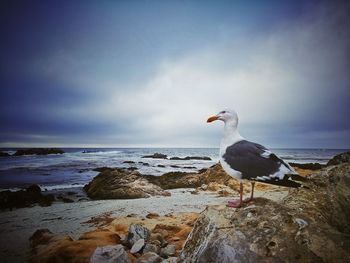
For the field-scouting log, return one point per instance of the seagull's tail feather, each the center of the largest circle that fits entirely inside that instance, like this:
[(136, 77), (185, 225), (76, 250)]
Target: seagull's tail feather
[(287, 181)]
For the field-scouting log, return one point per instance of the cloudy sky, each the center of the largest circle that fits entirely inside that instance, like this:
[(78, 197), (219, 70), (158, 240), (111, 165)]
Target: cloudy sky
[(149, 73)]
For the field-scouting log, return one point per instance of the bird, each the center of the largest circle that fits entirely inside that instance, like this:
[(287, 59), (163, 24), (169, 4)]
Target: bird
[(245, 160)]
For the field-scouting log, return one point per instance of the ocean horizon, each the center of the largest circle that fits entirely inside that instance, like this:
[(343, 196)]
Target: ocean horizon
[(76, 167)]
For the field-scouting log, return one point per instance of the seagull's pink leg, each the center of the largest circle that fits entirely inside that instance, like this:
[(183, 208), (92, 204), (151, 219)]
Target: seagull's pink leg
[(237, 203), (247, 200)]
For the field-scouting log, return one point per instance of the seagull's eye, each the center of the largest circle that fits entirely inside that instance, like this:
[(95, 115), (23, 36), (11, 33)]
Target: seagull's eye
[(223, 112)]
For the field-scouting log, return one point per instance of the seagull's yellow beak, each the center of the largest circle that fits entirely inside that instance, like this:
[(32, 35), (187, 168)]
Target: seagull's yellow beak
[(212, 118)]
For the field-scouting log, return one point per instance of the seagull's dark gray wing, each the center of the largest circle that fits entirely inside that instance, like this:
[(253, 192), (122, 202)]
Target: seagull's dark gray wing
[(257, 163)]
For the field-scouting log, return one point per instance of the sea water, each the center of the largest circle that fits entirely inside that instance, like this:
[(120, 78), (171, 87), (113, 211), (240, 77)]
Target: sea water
[(75, 167)]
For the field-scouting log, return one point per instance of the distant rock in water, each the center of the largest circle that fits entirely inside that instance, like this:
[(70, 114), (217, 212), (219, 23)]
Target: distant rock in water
[(340, 158), (308, 225), (309, 166), (3, 154), (205, 158), (24, 198), (122, 184), (38, 151), (156, 156), (129, 162)]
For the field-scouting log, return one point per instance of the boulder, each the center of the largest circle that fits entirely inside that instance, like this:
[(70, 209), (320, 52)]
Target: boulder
[(122, 184), (24, 198), (156, 156), (340, 158), (38, 151), (110, 254), (3, 154), (308, 225)]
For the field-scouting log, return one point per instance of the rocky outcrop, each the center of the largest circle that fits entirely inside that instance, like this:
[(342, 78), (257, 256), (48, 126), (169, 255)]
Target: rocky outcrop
[(308, 225), (4, 154), (38, 151), (340, 158), (24, 198), (122, 184), (156, 156), (111, 253)]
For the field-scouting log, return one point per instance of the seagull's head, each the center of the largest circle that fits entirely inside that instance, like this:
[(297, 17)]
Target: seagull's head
[(227, 116)]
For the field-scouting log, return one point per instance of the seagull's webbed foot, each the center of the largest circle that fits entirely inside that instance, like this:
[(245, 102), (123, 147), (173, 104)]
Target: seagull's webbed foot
[(234, 203)]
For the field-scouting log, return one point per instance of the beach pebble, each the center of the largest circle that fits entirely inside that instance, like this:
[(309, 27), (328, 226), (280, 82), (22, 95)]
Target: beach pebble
[(151, 247), (139, 244), (152, 215), (170, 260), (168, 251), (149, 257), (109, 254)]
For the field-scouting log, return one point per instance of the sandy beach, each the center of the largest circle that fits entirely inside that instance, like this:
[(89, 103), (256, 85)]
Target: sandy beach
[(71, 218)]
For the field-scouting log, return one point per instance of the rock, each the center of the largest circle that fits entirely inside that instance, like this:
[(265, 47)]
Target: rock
[(205, 158), (3, 154), (130, 162), (174, 180), (308, 225), (158, 237), (122, 184), (132, 168), (204, 187), (340, 158), (152, 215), (170, 260), (137, 232), (104, 169), (38, 151), (175, 166), (151, 247), (149, 257), (47, 247), (67, 200), (156, 156), (110, 254), (168, 251), (24, 198), (137, 246), (308, 166)]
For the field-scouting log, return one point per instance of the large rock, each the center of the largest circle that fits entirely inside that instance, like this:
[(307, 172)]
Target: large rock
[(340, 158), (309, 225), (4, 154), (110, 254), (156, 156), (38, 151), (122, 184), (136, 233), (24, 198)]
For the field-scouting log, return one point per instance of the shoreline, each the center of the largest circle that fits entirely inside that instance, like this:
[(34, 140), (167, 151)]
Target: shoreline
[(18, 225)]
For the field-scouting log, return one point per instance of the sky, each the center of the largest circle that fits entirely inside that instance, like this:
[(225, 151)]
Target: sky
[(149, 73)]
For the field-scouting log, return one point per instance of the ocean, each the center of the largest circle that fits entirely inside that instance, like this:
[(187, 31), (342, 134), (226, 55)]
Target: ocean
[(75, 167)]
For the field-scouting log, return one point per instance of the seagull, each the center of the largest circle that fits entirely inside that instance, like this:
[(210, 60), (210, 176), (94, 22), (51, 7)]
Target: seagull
[(245, 160)]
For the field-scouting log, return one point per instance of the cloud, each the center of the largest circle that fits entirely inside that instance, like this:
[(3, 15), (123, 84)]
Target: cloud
[(288, 82)]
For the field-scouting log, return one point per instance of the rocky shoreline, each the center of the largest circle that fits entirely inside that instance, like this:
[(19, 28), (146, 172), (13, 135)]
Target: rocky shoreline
[(282, 223)]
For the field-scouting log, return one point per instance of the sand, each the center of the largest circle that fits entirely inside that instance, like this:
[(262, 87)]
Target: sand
[(72, 218)]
